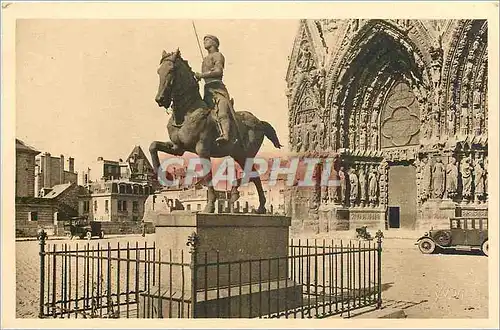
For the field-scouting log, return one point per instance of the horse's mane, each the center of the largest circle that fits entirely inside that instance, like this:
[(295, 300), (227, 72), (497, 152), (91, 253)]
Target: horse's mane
[(179, 57)]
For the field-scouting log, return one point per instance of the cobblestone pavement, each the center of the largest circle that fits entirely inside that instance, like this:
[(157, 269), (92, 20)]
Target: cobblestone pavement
[(429, 286)]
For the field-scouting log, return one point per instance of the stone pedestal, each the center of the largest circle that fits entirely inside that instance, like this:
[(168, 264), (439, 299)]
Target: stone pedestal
[(333, 218), (472, 210), (436, 214), (372, 217), (255, 245)]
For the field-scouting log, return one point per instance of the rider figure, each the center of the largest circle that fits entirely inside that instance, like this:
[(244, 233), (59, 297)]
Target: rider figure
[(216, 95)]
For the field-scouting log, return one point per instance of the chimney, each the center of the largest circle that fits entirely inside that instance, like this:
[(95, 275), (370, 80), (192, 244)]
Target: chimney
[(71, 162), (61, 170), (47, 170)]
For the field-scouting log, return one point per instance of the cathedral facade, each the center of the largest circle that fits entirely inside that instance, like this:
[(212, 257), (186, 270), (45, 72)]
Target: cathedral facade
[(401, 107)]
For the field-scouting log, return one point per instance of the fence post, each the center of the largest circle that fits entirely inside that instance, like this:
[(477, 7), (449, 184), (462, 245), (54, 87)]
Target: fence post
[(193, 242), (379, 235), (42, 235)]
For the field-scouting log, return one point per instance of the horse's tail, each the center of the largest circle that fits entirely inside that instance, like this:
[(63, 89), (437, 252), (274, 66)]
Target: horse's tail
[(270, 133)]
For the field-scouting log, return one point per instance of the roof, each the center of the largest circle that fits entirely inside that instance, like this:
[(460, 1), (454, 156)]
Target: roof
[(22, 146), (57, 190), (140, 155)]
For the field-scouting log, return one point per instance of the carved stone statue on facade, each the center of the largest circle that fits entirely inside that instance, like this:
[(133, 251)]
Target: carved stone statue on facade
[(451, 119), (479, 180), (328, 25), (343, 185), (383, 182), (333, 191), (436, 52), (426, 128), (352, 134), (373, 186), (478, 121), (305, 61), (298, 138), (466, 173), (307, 139), (333, 139), (438, 179), (464, 119), (363, 193), (313, 136), (354, 187), (426, 180), (318, 83), (451, 178)]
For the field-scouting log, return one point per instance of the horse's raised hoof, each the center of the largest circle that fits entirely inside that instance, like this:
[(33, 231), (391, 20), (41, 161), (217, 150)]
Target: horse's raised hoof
[(234, 197), (209, 208), (261, 210)]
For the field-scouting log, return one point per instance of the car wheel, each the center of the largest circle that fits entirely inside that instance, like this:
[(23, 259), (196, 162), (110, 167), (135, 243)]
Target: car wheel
[(89, 235), (426, 246), (484, 248)]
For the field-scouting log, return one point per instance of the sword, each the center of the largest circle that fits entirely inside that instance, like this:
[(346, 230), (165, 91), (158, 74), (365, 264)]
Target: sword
[(198, 40)]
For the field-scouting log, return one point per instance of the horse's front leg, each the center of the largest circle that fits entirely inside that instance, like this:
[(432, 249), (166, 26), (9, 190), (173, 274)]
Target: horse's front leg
[(262, 198), (234, 195), (203, 153), (166, 147)]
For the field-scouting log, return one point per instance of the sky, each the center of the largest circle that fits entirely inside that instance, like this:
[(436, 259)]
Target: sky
[(86, 88)]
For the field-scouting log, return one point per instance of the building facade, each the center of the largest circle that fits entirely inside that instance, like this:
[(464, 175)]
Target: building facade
[(116, 191), (114, 200), (401, 108), (58, 202), (25, 169), (50, 171)]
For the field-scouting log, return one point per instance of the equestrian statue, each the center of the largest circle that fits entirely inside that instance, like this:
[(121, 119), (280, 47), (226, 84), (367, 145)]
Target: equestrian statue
[(208, 126)]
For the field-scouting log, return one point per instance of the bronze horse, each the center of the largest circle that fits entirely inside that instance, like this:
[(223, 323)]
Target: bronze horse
[(193, 127)]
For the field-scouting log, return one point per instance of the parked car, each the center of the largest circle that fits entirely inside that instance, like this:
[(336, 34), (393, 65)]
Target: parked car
[(82, 228), (465, 233)]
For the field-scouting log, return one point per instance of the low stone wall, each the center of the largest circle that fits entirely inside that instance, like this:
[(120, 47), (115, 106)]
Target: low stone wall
[(115, 228), (30, 228)]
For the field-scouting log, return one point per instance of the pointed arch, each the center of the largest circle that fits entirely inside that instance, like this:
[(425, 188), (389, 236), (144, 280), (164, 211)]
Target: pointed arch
[(378, 58), (415, 39), (465, 80), (305, 39)]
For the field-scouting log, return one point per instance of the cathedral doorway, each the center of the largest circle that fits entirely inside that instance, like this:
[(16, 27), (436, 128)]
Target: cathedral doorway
[(402, 196)]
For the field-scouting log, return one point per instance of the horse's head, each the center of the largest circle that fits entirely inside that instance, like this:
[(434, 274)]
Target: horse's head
[(175, 76)]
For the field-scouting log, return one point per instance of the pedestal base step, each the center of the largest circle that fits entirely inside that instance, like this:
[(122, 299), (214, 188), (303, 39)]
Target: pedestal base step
[(245, 301)]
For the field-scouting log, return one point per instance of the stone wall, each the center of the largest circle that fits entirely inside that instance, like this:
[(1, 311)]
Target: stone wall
[(25, 174), (45, 216)]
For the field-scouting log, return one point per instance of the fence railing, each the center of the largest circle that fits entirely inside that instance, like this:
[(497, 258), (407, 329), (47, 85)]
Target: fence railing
[(314, 280)]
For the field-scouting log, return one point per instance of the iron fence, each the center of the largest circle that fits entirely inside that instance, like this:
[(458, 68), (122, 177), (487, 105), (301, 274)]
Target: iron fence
[(314, 280)]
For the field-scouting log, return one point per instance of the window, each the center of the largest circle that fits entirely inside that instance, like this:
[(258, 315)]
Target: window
[(188, 207), (33, 216), (106, 206), (119, 205), (95, 206), (198, 206), (135, 206), (124, 205)]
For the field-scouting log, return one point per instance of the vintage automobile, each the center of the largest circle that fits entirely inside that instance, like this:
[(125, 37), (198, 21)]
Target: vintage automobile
[(465, 234), (82, 228)]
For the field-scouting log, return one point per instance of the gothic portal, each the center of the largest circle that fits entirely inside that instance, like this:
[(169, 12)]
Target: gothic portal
[(401, 105)]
